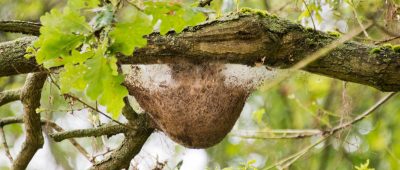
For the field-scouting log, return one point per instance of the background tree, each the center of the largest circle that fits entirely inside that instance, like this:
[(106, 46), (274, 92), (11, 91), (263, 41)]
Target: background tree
[(299, 120)]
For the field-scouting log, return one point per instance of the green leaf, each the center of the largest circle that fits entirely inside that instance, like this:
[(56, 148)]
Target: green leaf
[(113, 95), (71, 78), (127, 35), (60, 33), (76, 57), (173, 16), (104, 84)]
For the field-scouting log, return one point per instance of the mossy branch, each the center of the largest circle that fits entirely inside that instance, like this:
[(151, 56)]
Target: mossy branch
[(248, 38)]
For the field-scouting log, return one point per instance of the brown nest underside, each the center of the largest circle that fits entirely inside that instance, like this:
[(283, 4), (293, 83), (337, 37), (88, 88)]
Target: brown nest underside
[(191, 103)]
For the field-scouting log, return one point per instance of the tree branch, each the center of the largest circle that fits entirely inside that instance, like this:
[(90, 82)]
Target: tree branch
[(304, 133), (134, 140), (23, 27), (13, 120), (247, 39), (5, 145), (108, 130), (9, 96), (30, 97)]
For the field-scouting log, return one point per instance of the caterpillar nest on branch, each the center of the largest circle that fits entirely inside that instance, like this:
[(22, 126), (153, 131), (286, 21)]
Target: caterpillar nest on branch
[(196, 105)]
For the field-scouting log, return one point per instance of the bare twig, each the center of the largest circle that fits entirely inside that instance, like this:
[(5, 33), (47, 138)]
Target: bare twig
[(351, 3), (311, 15), (108, 130), (285, 163), (386, 31), (53, 125), (95, 109), (387, 40), (130, 147), (5, 145), (73, 141), (303, 133)]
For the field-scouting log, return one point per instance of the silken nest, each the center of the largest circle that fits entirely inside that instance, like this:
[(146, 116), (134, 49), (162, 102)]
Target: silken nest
[(196, 105)]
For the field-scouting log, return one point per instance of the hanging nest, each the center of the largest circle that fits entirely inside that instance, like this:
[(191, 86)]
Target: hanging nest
[(196, 105)]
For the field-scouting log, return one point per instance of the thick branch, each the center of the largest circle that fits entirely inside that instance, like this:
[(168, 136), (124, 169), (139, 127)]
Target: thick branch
[(247, 39), (23, 27), (9, 96), (108, 130), (12, 60), (30, 97), (134, 140)]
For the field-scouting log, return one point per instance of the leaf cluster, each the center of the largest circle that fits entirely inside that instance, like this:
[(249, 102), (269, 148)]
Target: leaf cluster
[(87, 50)]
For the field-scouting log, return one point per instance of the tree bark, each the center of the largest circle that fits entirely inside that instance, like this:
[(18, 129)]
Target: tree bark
[(30, 98), (248, 39)]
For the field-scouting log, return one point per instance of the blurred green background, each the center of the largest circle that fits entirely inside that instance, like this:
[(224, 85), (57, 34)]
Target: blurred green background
[(304, 101)]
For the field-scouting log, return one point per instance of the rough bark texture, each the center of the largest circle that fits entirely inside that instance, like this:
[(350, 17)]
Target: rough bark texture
[(9, 96), (30, 98), (246, 39), (24, 27), (12, 60)]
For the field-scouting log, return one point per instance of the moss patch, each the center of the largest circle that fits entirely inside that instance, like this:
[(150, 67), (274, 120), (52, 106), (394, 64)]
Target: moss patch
[(396, 48), (259, 12), (376, 50), (334, 33), (386, 47)]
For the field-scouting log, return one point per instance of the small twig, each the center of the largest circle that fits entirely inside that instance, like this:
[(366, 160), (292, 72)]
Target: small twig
[(73, 141), (92, 132), (358, 19), (95, 109), (387, 40), (304, 133), (363, 115), (87, 105), (386, 31), (312, 19), (53, 125), (5, 145), (278, 134), (291, 159), (284, 163)]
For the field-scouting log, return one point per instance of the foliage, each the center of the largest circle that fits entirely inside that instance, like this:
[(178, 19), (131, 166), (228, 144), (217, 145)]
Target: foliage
[(90, 49)]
